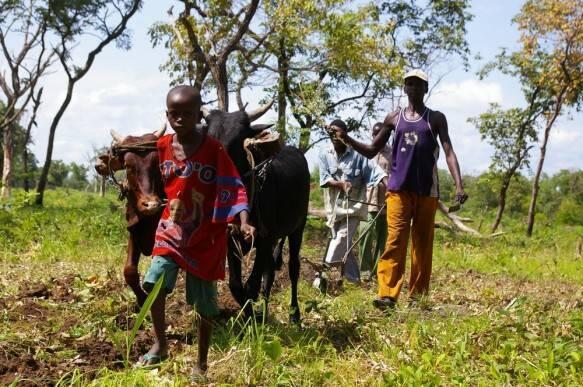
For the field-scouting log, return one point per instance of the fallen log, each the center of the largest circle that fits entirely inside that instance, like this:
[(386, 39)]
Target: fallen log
[(456, 220)]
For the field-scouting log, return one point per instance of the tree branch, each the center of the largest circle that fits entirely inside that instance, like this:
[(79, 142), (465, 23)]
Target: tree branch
[(232, 44)]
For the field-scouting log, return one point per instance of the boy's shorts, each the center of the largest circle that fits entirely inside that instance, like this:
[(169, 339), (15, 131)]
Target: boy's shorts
[(199, 293)]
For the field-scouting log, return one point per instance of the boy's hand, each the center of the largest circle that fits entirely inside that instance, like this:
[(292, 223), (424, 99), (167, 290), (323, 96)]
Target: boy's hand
[(248, 232)]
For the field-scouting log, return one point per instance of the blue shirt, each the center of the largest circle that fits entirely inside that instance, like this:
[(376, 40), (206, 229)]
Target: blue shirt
[(355, 168)]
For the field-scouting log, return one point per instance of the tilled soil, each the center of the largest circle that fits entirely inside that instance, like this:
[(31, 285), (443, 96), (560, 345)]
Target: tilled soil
[(41, 317)]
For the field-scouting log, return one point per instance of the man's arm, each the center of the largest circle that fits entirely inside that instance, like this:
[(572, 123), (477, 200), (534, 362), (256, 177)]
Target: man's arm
[(346, 186), (450, 156), (326, 178), (378, 142)]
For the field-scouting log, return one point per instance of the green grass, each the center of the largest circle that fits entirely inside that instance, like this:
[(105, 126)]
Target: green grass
[(502, 311)]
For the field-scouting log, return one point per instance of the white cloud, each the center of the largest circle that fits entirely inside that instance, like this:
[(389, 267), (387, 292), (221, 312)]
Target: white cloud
[(469, 96), (126, 90)]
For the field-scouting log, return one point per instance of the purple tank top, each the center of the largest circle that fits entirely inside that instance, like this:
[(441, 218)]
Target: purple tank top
[(414, 157)]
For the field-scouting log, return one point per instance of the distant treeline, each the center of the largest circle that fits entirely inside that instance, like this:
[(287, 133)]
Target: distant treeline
[(561, 196)]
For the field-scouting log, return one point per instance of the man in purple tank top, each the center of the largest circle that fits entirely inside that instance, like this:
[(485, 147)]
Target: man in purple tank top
[(413, 189)]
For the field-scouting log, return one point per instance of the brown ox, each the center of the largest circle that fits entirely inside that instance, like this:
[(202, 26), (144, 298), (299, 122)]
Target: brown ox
[(144, 192)]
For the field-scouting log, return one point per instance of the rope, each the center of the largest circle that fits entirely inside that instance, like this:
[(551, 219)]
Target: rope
[(251, 160), (362, 235), (239, 253), (138, 146), (115, 151)]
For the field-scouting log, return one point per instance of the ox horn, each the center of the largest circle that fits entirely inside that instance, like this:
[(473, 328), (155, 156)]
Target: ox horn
[(160, 132), (118, 138), (205, 111), (255, 114)]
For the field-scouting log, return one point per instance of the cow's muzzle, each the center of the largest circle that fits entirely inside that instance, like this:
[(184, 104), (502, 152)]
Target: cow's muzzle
[(149, 205)]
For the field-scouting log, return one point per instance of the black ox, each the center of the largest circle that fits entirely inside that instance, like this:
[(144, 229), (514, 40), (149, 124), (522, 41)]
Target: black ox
[(279, 190), (279, 194)]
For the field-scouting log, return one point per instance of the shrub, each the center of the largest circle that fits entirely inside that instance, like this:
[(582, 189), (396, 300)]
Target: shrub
[(570, 212)]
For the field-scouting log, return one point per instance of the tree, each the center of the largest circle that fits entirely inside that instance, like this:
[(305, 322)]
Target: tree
[(323, 56), (27, 156), (549, 65), (339, 55), (77, 177), (511, 132), (21, 169), (206, 36), (21, 22), (70, 20), (58, 173)]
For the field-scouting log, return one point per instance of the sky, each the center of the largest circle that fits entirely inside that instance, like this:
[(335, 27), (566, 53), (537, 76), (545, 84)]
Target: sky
[(125, 91)]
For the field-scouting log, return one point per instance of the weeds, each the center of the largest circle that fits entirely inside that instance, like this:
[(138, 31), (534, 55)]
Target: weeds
[(124, 342), (502, 311)]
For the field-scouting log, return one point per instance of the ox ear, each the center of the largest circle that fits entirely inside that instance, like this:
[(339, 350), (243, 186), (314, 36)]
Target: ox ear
[(105, 164), (258, 128), (261, 110), (118, 138)]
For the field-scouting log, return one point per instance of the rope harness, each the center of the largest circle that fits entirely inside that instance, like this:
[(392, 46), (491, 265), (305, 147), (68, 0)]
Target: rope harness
[(257, 175), (117, 151)]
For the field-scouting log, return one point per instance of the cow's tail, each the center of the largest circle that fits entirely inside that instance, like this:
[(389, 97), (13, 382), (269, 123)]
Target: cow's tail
[(278, 254)]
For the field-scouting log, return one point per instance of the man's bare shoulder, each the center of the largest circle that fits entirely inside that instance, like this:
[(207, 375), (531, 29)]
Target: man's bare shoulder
[(437, 116)]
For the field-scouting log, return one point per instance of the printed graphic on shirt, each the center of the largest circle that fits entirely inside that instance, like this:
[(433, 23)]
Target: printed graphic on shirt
[(206, 173), (411, 138), (204, 193), (180, 225)]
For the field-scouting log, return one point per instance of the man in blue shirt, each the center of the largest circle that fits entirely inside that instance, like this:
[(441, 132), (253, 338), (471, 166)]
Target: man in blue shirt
[(345, 175)]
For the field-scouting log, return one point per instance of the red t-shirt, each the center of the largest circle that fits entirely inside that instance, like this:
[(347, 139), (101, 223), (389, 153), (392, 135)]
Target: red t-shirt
[(204, 193)]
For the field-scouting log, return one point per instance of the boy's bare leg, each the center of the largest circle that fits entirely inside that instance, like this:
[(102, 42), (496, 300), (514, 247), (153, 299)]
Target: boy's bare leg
[(160, 348), (205, 330)]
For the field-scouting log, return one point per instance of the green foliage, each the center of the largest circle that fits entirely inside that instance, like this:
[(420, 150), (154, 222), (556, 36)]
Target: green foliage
[(562, 194), (549, 65), (18, 148), (84, 222), (316, 193), (502, 311), (446, 186), (327, 56), (511, 133), (124, 341), (439, 26), (570, 212)]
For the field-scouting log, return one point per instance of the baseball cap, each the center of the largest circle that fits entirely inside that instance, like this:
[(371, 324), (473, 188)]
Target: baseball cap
[(416, 73)]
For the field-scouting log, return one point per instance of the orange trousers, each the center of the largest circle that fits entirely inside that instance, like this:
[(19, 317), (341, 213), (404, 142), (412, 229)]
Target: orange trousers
[(407, 212)]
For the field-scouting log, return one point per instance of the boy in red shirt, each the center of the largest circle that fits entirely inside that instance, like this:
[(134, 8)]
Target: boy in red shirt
[(204, 193)]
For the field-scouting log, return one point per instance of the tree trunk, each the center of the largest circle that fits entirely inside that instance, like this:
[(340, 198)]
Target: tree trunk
[(502, 197), (305, 135), (26, 182), (282, 66), (501, 206), (102, 186), (539, 169), (7, 166), (42, 181), (31, 122), (222, 83)]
